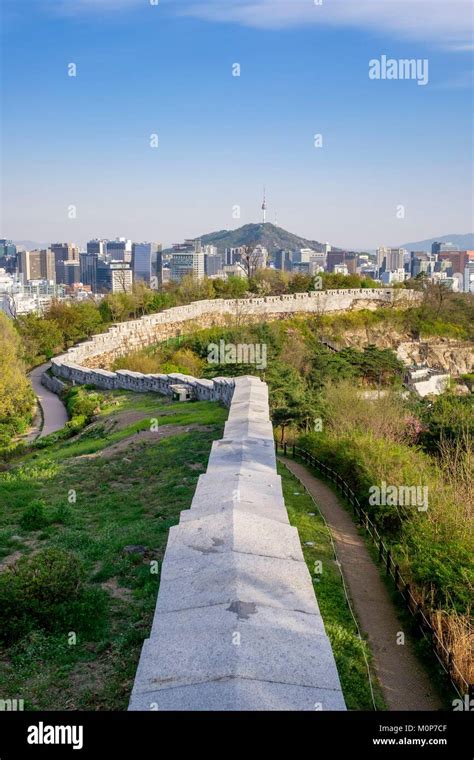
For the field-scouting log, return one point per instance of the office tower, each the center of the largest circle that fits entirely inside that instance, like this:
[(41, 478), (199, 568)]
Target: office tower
[(232, 256), (282, 260), (47, 265), (148, 263), (7, 248), (63, 252), (88, 269), (444, 247), (97, 246), (187, 263), (334, 258), (119, 249), (72, 272), (213, 263), (114, 276), (456, 260)]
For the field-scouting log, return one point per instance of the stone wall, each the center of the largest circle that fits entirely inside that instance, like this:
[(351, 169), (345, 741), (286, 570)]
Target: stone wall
[(237, 625), (100, 351), (53, 383)]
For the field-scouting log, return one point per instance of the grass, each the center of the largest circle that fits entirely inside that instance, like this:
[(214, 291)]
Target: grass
[(93, 509), (421, 646), (348, 648)]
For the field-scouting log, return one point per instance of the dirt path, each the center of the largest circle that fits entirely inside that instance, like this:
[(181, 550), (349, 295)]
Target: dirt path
[(404, 682)]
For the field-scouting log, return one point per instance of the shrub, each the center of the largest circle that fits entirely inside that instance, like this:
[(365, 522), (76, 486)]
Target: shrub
[(46, 590), (34, 517)]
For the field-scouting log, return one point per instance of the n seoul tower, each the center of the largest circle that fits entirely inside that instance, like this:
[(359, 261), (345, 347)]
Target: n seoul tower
[(264, 207)]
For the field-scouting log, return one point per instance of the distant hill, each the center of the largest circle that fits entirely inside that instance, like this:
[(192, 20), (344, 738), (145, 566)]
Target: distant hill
[(269, 235), (30, 245), (465, 242)]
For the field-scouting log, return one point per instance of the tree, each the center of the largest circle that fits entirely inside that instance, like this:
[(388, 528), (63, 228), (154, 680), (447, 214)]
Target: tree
[(41, 337), (250, 259), (16, 395)]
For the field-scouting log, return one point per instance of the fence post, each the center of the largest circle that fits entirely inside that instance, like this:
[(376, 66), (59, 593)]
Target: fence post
[(406, 595), (380, 550), (397, 576), (389, 561)]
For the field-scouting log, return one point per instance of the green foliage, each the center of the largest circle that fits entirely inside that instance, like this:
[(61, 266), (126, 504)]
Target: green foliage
[(46, 590), (34, 516), (447, 417), (42, 338), (16, 395), (82, 403)]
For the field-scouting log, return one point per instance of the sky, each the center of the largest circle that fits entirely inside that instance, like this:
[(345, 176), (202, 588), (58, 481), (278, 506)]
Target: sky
[(394, 161)]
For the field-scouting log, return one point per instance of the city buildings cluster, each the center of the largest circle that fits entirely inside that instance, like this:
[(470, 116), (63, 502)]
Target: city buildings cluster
[(29, 279)]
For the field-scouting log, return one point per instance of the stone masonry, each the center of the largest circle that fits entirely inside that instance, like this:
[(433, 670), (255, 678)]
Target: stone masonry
[(237, 625), (99, 352)]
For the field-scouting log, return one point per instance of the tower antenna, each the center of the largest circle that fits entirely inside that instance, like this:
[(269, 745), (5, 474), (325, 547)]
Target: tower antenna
[(264, 207)]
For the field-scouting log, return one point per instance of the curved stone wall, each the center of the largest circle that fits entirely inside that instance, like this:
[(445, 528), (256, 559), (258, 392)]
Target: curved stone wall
[(99, 352)]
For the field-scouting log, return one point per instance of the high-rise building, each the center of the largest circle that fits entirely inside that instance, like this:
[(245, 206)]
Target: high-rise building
[(187, 263), (444, 247), (213, 263), (119, 249), (114, 276), (88, 269), (97, 246), (7, 248), (282, 260), (232, 256), (72, 272), (457, 259), (36, 265), (334, 258), (390, 259), (63, 252), (148, 263)]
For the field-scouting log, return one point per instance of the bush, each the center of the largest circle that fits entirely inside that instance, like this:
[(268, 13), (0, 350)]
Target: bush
[(34, 517), (46, 590), (82, 403)]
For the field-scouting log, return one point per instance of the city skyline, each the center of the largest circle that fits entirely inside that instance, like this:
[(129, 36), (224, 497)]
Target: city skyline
[(167, 70)]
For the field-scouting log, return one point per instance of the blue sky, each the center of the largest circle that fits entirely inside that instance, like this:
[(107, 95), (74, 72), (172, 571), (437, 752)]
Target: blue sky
[(167, 69)]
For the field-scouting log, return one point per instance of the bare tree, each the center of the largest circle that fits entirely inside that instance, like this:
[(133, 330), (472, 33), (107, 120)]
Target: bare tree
[(250, 259)]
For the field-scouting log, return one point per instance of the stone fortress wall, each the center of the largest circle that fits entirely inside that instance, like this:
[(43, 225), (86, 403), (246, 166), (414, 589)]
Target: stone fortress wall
[(88, 362), (237, 625)]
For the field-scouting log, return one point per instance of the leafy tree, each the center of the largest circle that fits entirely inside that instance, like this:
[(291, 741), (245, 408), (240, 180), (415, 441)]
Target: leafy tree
[(16, 395), (42, 338)]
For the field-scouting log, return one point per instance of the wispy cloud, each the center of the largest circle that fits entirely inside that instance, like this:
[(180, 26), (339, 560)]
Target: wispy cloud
[(446, 22)]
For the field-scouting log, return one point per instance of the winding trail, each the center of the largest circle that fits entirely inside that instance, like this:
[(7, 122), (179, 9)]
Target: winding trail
[(404, 682), (53, 410)]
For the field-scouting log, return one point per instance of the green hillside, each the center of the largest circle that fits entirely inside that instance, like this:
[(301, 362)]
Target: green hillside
[(268, 235)]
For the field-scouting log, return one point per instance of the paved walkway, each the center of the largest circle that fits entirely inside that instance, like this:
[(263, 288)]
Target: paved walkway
[(404, 682), (54, 411)]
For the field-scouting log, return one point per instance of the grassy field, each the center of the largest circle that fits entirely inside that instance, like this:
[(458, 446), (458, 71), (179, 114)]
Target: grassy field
[(348, 648), (71, 508), (122, 481)]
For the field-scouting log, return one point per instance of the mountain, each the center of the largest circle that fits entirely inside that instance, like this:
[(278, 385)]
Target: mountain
[(465, 242), (269, 235), (30, 245)]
